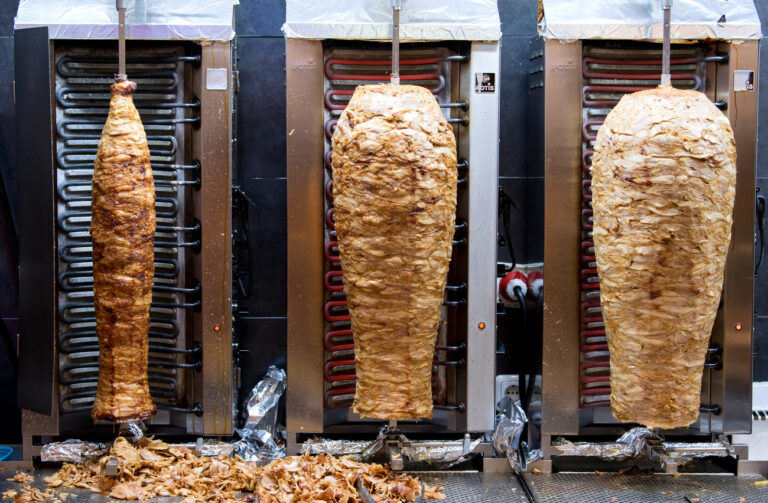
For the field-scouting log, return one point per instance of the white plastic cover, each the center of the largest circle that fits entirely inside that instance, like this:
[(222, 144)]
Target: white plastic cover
[(372, 20), (642, 20), (144, 19)]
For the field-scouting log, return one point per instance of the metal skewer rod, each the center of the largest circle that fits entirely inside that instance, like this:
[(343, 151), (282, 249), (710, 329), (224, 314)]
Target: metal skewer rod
[(121, 74), (666, 78), (397, 5)]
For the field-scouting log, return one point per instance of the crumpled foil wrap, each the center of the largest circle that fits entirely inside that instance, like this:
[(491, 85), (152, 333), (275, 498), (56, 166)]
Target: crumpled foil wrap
[(630, 445), (72, 451), (155, 20), (506, 438), (642, 20), (432, 454), (641, 440), (257, 436), (372, 20)]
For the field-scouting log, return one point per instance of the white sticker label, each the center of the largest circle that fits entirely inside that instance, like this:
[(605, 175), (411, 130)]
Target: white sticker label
[(216, 79), (743, 80)]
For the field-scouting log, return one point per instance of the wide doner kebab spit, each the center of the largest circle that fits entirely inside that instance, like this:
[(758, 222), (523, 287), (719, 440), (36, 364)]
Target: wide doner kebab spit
[(663, 187), (394, 188), (122, 230)]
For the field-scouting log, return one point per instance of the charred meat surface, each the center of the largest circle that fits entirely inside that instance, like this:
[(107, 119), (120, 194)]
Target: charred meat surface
[(663, 185), (122, 229), (394, 188)]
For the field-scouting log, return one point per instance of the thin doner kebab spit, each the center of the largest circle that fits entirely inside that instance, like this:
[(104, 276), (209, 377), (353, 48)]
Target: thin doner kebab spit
[(122, 230), (663, 188)]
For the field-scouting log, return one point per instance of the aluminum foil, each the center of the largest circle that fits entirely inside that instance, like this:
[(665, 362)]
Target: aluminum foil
[(630, 445), (506, 439), (144, 19), (72, 451), (257, 435), (372, 20), (432, 454), (349, 448), (642, 20)]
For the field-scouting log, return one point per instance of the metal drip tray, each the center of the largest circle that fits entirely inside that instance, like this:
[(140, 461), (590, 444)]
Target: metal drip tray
[(591, 488)]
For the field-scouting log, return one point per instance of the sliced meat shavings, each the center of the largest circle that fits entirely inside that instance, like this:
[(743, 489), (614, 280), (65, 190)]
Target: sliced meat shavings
[(21, 477), (325, 478), (162, 470)]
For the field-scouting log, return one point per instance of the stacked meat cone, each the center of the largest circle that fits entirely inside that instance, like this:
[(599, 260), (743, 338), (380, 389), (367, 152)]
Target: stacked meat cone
[(663, 186), (122, 229), (394, 188)]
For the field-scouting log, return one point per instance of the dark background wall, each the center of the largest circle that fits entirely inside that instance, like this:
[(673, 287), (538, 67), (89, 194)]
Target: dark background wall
[(261, 175)]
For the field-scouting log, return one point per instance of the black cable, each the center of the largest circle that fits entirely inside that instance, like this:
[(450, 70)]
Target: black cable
[(11, 346), (505, 211), (521, 376), (760, 210), (537, 354)]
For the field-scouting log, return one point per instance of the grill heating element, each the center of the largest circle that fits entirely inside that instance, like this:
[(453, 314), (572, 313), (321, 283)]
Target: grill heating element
[(82, 104), (343, 72)]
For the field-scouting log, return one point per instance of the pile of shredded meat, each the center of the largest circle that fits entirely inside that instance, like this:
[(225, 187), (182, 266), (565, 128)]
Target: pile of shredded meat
[(160, 469)]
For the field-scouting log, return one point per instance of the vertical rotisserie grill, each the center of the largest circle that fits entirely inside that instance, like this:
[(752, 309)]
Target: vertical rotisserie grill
[(81, 107)]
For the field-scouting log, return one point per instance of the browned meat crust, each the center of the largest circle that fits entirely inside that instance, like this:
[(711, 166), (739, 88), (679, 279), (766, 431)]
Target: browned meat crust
[(123, 228), (664, 176), (394, 186)]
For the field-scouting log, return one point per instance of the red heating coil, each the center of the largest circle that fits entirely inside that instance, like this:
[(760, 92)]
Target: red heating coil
[(586, 190), (611, 89), (589, 279), (330, 221), (333, 306), (330, 126), (585, 130), (587, 255), (586, 222), (328, 164), (586, 167), (632, 62), (345, 335), (330, 254), (333, 281), (343, 398), (633, 76), (329, 191), (585, 379), (590, 397)]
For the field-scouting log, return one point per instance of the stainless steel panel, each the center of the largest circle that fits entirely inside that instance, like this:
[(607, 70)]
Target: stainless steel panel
[(590, 488), (731, 388), (212, 145), (304, 125), (37, 225), (483, 157), (562, 158)]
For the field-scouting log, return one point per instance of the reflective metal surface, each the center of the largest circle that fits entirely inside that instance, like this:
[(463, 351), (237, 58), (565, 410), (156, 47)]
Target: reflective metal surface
[(483, 157), (731, 387), (304, 125), (562, 158), (212, 145)]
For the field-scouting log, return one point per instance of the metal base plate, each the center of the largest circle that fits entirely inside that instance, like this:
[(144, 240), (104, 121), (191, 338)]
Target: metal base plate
[(591, 488), (460, 487)]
